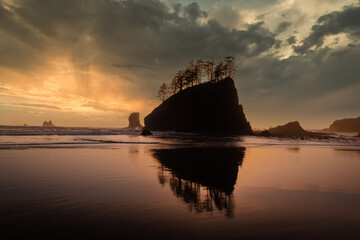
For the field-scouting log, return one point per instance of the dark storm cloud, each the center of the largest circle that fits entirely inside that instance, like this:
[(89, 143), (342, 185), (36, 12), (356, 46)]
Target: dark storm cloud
[(277, 44), (283, 26), (345, 21), (138, 32), (137, 44), (291, 40), (193, 11), (297, 81), (18, 42)]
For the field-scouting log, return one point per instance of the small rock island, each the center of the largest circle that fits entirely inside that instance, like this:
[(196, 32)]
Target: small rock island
[(211, 107), (290, 129), (48, 124), (134, 121)]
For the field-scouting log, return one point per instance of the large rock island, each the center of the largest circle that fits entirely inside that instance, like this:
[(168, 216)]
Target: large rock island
[(346, 125), (206, 108)]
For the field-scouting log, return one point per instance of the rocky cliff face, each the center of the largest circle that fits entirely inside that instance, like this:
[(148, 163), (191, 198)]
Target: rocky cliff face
[(134, 121), (346, 125), (206, 108)]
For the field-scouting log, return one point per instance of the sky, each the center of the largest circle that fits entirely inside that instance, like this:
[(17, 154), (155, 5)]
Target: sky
[(92, 62)]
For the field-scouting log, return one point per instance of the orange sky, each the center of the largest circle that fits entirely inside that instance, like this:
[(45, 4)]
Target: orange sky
[(91, 63)]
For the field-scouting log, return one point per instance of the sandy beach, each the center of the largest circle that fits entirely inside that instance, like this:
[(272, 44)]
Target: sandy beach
[(130, 186)]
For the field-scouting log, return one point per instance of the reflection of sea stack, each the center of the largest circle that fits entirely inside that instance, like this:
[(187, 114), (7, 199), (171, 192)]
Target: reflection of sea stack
[(209, 166), (48, 124), (290, 129), (205, 108), (134, 121), (203, 178)]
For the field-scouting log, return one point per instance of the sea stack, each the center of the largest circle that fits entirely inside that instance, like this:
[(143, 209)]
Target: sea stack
[(48, 124), (134, 121), (291, 129), (145, 132), (346, 125), (206, 108)]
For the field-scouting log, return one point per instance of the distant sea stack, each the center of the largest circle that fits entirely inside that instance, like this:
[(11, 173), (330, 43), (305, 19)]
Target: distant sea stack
[(291, 129), (206, 108), (48, 124), (134, 121), (346, 125)]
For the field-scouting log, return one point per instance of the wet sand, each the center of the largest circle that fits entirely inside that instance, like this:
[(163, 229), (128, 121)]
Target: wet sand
[(161, 191)]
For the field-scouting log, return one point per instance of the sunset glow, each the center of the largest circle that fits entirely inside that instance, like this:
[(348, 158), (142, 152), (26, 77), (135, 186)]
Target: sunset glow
[(179, 119), (80, 64)]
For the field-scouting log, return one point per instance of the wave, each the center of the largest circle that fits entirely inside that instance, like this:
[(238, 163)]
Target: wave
[(63, 131), (60, 137)]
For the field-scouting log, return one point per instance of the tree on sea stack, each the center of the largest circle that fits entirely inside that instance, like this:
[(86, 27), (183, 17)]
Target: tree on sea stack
[(163, 92), (230, 66), (193, 73), (179, 81), (219, 71), (209, 69), (189, 76), (198, 70)]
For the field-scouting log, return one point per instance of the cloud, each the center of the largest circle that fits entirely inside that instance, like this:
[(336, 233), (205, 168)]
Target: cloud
[(345, 21), (226, 14), (110, 56), (289, 88), (291, 40), (30, 105), (134, 40), (136, 30), (254, 4), (104, 106), (35, 113), (283, 26)]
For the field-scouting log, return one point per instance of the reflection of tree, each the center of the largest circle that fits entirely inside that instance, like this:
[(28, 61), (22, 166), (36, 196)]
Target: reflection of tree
[(203, 178)]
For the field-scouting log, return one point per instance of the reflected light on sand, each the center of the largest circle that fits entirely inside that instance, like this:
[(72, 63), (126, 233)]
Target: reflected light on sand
[(313, 169)]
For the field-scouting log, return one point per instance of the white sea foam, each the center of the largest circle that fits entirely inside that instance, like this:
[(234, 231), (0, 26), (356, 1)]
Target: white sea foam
[(38, 137)]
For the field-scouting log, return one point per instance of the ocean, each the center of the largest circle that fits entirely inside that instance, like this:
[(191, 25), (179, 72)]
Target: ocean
[(98, 183)]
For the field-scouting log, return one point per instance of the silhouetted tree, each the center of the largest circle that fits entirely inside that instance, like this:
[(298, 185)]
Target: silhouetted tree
[(163, 92), (230, 66), (174, 86), (209, 69), (178, 82), (219, 71), (199, 71), (190, 74), (193, 74)]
